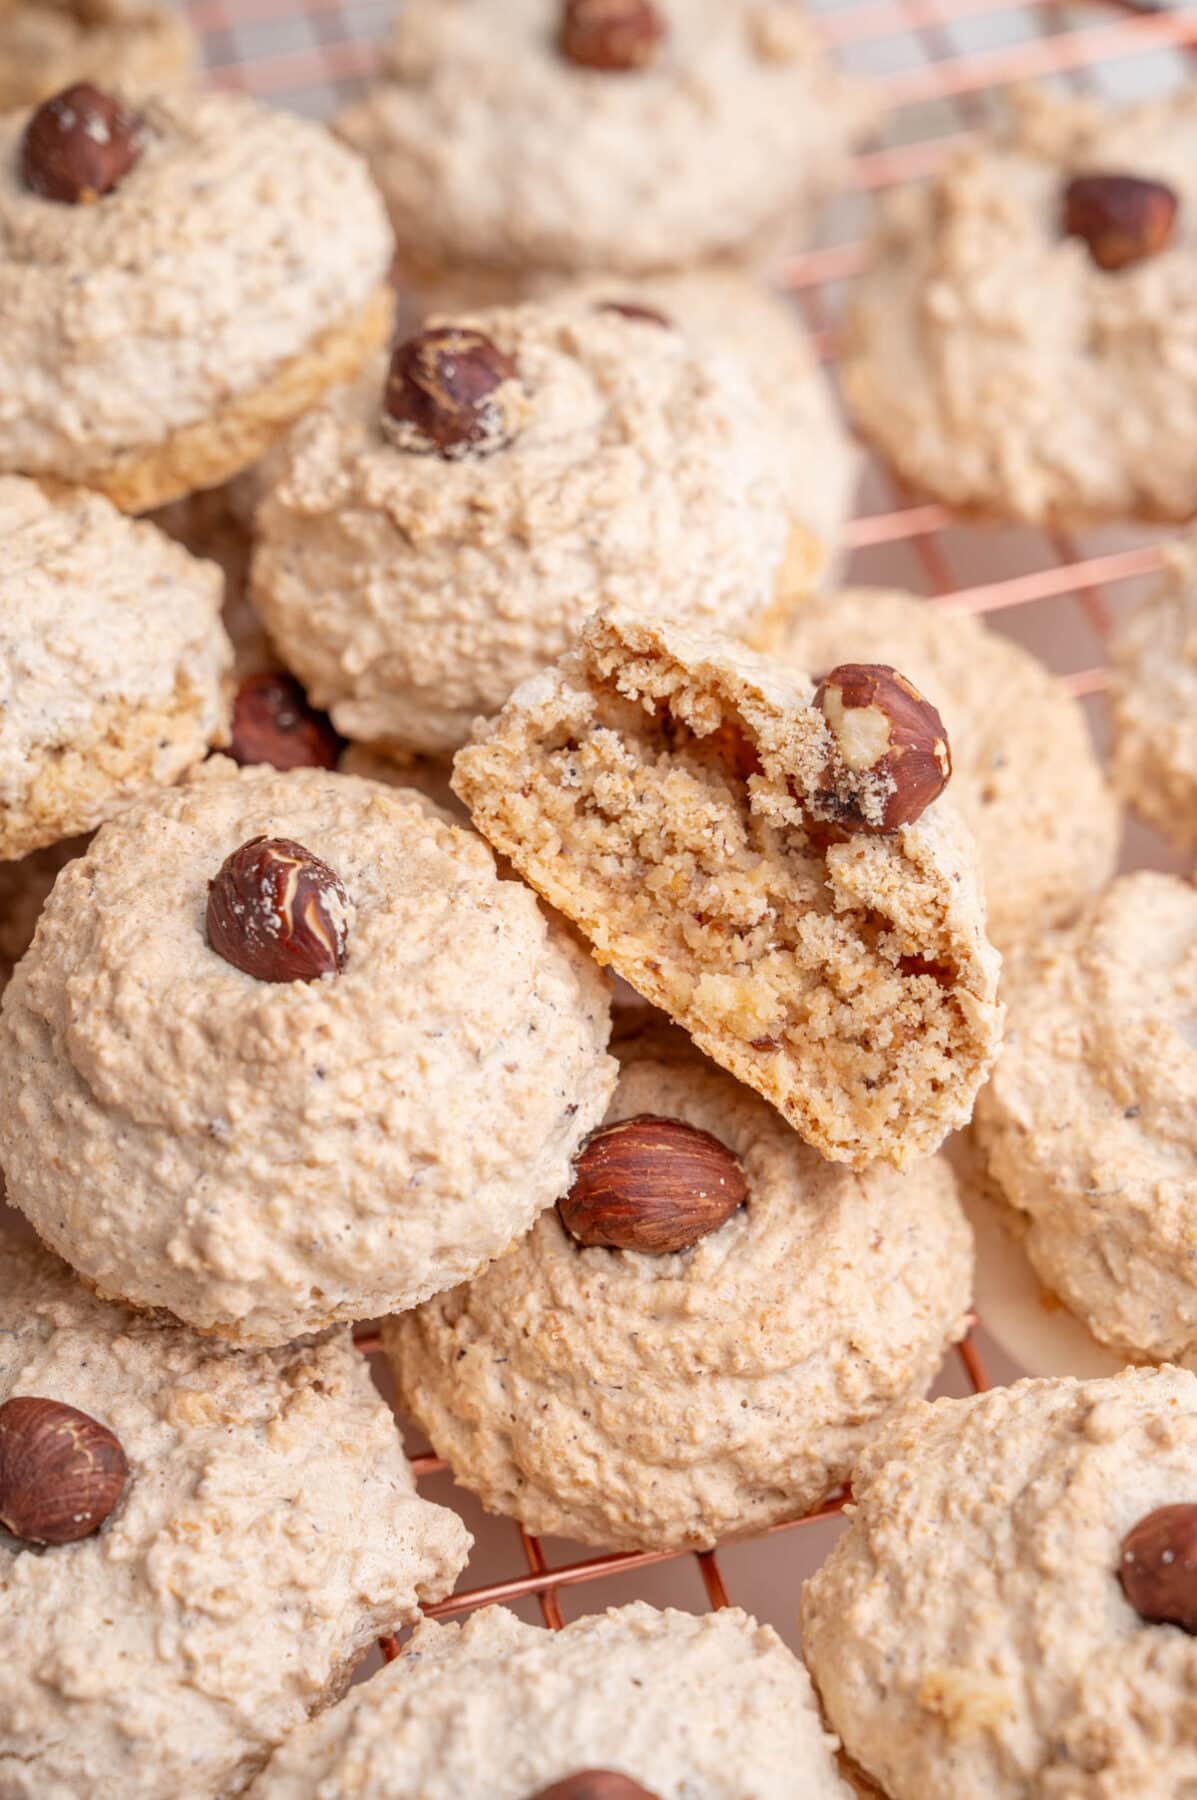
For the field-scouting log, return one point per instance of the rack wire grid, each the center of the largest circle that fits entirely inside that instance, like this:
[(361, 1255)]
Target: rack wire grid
[(942, 65)]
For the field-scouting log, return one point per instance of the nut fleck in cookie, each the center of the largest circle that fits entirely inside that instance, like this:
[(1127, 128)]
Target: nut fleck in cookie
[(179, 280), (1025, 775), (756, 858), (136, 46), (651, 1705), (520, 134), (1153, 695), (697, 1342), (1021, 346), (197, 1546), (113, 663), (436, 535), (1087, 1123), (303, 1056), (1010, 1610)]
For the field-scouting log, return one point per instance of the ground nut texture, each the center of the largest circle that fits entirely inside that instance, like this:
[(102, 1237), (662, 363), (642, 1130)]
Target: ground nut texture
[(992, 359), (492, 148), (161, 339), (664, 1402), (113, 663), (47, 44), (269, 1531), (969, 1635), (1025, 775), (1087, 1123), (24, 886), (653, 787), (265, 1158), (713, 1706), (1153, 687), (412, 593)]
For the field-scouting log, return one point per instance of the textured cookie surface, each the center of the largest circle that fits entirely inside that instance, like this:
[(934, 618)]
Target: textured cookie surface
[(270, 1529), (24, 887), (1153, 694), (1088, 1121), (265, 1158), (1024, 772), (654, 787), (713, 1706), (47, 44), (998, 365), (969, 1634)]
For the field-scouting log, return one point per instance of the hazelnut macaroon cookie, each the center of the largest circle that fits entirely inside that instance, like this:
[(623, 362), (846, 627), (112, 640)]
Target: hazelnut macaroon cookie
[(1012, 1609), (303, 1056), (763, 858), (137, 46), (113, 663), (179, 279), (196, 1545), (631, 1704), (1153, 697)]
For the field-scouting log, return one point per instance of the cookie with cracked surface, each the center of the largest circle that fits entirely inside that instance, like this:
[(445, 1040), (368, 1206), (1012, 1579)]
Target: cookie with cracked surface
[(1025, 774), (113, 663), (1087, 1122), (1153, 691), (137, 47), (665, 791), (997, 356), (713, 1705), (265, 1156), (970, 1634)]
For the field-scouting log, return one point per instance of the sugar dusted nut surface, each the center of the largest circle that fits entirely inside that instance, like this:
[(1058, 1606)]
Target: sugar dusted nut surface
[(969, 1634), (1025, 775), (264, 1158), (712, 1705), (411, 594), (113, 663), (1087, 1123), (998, 364), (141, 47), (655, 787), (270, 1530), (1153, 697), (634, 1401)]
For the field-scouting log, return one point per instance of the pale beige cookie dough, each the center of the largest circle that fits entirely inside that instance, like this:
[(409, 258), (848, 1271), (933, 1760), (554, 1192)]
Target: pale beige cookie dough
[(162, 338), (655, 787), (264, 1158), (113, 663), (412, 593), (136, 46), (969, 1634), (712, 1706), (993, 360), (268, 1532), (1087, 1123), (24, 888), (1153, 698), (1025, 774)]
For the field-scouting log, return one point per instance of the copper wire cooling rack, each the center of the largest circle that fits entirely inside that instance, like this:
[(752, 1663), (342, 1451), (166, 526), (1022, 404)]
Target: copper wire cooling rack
[(942, 65)]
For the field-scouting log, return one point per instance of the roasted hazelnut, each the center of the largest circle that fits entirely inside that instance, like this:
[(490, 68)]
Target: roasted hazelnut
[(61, 1472), (632, 309), (891, 757), (78, 145), (1158, 1567), (650, 1184), (616, 36), (1123, 218), (440, 393), (595, 1784), (273, 723), (278, 913)]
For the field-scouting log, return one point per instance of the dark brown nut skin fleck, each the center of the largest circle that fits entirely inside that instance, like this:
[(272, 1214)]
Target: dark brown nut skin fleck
[(78, 146), (616, 36), (885, 733), (278, 913), (440, 393), (61, 1472), (595, 1784), (1123, 219), (632, 309), (653, 1185), (1158, 1567), (273, 724)]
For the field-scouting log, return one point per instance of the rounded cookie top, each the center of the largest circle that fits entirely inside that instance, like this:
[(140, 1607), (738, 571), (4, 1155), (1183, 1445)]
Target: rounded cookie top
[(137, 46), (267, 1531), (264, 1156), (1087, 1121), (713, 1705), (999, 363), (1153, 695), (412, 591), (970, 1635), (492, 146)]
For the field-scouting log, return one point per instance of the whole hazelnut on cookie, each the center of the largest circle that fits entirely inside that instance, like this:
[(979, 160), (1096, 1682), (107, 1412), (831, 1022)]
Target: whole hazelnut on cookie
[(78, 146), (654, 1185), (892, 757), (595, 1784), (1123, 219), (61, 1471), (1158, 1567), (278, 913), (441, 393), (616, 36)]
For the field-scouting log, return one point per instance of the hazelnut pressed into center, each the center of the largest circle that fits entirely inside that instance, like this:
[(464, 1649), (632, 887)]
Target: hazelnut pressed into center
[(652, 1184), (78, 146)]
